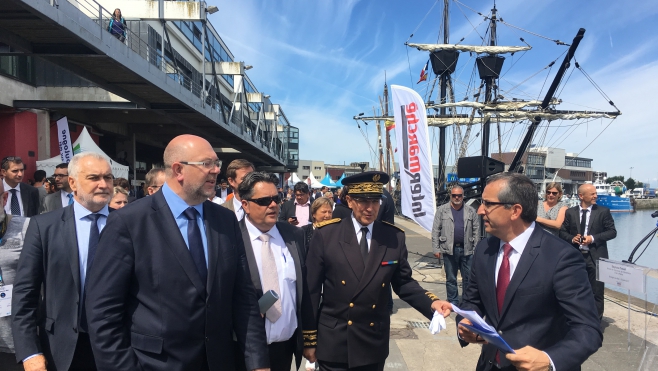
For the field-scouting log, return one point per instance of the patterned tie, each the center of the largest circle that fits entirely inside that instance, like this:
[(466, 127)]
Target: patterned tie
[(196, 244), (364, 244), (15, 207), (70, 196), (503, 277), (270, 277)]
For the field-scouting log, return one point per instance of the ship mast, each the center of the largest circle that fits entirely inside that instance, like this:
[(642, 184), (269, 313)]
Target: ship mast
[(444, 79)]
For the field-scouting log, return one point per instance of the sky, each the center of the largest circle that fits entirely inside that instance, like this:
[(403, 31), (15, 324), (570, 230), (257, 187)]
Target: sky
[(325, 61)]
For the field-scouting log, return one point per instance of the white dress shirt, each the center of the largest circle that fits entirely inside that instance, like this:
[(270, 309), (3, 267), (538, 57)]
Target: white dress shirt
[(237, 206), (65, 197), (18, 196), (357, 228), (580, 215), (284, 328), (518, 245)]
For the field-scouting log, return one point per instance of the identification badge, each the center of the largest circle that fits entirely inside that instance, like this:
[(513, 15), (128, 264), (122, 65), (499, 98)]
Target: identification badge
[(5, 300)]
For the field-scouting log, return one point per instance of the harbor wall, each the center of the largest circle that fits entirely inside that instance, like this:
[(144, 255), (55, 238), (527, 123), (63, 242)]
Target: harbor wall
[(642, 204)]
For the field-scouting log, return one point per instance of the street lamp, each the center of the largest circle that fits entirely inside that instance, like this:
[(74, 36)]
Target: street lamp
[(631, 173)]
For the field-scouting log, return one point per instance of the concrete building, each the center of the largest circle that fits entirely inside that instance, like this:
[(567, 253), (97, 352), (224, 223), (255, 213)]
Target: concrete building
[(134, 95), (307, 166)]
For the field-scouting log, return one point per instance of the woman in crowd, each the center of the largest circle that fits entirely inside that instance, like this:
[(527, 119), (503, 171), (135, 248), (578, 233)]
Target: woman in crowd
[(119, 198), (117, 26), (550, 212), (320, 211), (342, 210)]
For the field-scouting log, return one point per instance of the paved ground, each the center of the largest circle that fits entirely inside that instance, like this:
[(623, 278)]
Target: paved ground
[(413, 348)]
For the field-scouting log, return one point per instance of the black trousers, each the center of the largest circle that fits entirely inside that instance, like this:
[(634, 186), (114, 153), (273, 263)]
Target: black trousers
[(83, 357), (598, 288), (334, 366), (280, 355)]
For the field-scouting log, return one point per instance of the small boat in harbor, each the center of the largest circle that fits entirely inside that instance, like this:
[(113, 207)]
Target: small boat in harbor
[(611, 195)]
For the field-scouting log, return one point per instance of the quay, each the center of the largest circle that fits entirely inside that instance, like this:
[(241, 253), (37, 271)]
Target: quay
[(643, 204)]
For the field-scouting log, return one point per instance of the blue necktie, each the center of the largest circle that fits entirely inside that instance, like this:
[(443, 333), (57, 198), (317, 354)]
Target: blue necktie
[(195, 243), (15, 207), (70, 196), (94, 236)]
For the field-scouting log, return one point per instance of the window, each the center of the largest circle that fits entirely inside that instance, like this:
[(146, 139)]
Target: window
[(535, 160), (317, 168), (306, 167), (305, 177), (578, 162)]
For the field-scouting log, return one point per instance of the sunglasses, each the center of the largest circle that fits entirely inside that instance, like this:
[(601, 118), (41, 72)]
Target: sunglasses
[(456, 195), (552, 193), (265, 201), (488, 204), (12, 159)]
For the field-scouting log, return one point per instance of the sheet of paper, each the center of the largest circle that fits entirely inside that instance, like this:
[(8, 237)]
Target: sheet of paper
[(475, 319), (5, 300), (492, 338)]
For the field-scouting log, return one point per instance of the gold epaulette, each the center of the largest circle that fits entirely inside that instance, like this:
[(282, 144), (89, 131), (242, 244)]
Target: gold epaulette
[(327, 222), (310, 338), (431, 296), (393, 225)]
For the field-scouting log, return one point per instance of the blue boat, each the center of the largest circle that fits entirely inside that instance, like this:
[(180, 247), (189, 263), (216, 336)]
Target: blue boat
[(612, 196)]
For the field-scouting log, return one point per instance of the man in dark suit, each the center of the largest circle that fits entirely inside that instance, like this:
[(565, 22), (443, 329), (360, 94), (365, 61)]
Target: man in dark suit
[(588, 227), (350, 263), (23, 198), (298, 210), (64, 195), (49, 325), (277, 264), (529, 285), (170, 283), (236, 171)]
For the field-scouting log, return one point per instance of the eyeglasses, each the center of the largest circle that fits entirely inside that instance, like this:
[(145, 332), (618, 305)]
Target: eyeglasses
[(457, 195), (12, 159), (60, 175), (265, 201), (208, 164), (552, 193), (488, 204)]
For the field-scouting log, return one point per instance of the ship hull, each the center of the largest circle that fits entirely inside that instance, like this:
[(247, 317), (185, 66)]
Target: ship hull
[(615, 203)]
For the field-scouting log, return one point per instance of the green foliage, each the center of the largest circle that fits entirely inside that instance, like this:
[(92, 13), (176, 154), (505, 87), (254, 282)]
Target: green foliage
[(630, 184), (613, 178)]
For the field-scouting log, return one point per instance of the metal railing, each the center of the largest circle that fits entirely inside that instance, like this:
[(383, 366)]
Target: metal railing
[(102, 16)]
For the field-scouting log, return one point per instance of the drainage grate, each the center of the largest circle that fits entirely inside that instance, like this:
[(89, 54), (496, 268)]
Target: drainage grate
[(416, 324)]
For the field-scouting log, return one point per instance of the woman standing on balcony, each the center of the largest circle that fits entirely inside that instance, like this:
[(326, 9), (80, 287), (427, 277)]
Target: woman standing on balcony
[(117, 26)]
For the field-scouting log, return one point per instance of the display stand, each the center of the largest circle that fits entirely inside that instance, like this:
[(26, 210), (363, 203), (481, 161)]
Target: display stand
[(630, 277)]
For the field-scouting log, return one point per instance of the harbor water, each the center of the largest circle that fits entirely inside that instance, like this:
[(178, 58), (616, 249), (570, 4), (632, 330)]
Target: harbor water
[(631, 228)]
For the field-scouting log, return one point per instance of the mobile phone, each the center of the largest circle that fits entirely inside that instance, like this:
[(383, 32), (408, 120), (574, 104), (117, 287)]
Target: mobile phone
[(293, 218), (582, 240), (267, 300)]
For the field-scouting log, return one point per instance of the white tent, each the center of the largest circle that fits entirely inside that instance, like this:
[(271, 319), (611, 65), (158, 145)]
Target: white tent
[(84, 143), (312, 182), (294, 179)]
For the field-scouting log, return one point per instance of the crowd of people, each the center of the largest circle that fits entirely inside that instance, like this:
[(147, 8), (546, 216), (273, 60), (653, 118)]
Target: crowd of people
[(176, 276)]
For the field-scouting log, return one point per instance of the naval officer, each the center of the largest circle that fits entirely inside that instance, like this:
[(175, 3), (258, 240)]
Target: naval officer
[(350, 264)]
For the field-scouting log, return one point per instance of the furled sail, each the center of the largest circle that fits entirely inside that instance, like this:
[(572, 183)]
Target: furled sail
[(497, 49), (502, 106)]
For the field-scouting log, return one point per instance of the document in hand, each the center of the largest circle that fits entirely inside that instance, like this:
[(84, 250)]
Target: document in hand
[(483, 329)]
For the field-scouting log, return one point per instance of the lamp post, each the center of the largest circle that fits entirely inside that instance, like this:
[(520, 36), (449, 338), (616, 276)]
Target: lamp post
[(631, 173)]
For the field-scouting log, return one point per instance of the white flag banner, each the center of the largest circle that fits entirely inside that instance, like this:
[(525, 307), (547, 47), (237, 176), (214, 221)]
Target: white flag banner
[(65, 142), (414, 156)]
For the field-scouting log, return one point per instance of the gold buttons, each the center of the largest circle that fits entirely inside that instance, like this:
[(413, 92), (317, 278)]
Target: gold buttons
[(383, 285), (351, 305), (373, 306), (349, 323), (343, 282), (371, 324)]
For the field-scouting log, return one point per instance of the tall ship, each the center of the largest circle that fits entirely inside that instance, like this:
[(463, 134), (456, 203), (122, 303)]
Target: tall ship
[(611, 195)]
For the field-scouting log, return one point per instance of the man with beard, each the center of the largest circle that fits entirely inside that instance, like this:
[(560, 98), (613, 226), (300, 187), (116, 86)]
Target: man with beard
[(455, 234), (64, 195), (49, 325), (171, 284)]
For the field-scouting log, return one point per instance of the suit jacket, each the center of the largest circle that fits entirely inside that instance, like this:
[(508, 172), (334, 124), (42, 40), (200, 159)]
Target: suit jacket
[(443, 230), (601, 226), (353, 322), (294, 239), (52, 202), (229, 205), (48, 324), (288, 210), (387, 208), (30, 197), (343, 212), (548, 304), (147, 307)]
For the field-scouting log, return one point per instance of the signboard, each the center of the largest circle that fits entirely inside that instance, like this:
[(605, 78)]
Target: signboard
[(65, 142), (623, 275), (452, 177)]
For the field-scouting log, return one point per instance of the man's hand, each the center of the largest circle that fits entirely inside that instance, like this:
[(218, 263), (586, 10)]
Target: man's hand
[(576, 239), (36, 363), (529, 359), (293, 221), (309, 353), (442, 307), (437, 255), (468, 335), (588, 240)]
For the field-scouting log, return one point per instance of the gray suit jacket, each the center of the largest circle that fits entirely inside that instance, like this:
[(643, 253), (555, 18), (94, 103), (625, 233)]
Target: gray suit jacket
[(443, 230), (295, 241), (52, 202)]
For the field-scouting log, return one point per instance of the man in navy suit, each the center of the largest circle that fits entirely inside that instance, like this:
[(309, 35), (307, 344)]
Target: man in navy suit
[(49, 326), (170, 285), (529, 285)]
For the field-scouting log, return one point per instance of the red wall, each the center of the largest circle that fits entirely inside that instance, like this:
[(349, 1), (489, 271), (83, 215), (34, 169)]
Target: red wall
[(18, 136)]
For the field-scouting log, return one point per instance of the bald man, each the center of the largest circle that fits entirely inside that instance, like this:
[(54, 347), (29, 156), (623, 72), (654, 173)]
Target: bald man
[(588, 227), (171, 284)]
